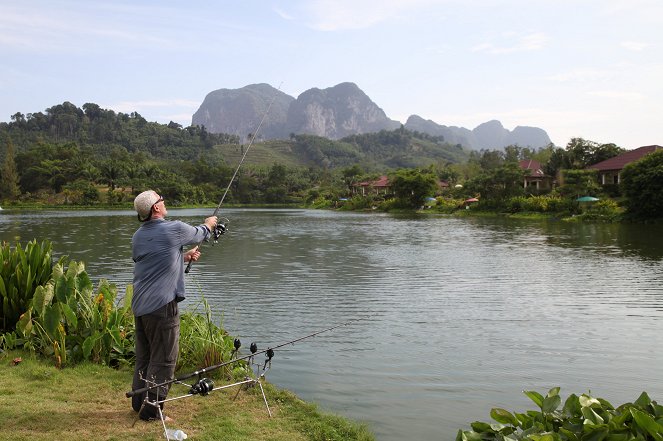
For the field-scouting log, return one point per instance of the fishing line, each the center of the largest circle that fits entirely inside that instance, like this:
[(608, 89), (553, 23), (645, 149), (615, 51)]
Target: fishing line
[(222, 227)]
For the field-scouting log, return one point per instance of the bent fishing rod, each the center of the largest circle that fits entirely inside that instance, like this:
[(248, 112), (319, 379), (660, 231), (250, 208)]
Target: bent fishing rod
[(269, 352), (221, 228)]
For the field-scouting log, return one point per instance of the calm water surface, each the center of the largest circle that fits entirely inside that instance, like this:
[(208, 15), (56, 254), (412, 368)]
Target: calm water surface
[(457, 315)]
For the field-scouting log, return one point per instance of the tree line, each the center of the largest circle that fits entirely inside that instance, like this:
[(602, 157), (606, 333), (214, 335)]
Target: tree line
[(90, 155)]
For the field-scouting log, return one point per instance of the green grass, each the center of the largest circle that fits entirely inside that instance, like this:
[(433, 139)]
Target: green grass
[(87, 402)]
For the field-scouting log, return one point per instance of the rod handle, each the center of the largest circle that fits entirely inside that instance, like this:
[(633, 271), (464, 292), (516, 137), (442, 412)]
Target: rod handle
[(188, 267)]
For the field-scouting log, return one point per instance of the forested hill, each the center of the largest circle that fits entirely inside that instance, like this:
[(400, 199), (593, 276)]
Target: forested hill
[(103, 130), (100, 132)]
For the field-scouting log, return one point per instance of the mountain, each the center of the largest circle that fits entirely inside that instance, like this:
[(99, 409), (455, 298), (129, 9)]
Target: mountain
[(337, 112), (239, 111), (490, 135)]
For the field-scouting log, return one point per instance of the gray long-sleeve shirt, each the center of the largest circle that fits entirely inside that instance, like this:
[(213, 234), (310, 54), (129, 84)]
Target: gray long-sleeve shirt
[(157, 249)]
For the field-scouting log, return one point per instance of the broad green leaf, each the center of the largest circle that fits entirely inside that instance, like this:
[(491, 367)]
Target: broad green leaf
[(623, 436), (61, 289), (24, 325), (587, 401), (469, 436), (550, 404), (88, 344), (70, 315), (503, 416), (545, 437), (643, 400), (554, 391), (572, 406), (52, 317), (43, 297), (647, 423), (115, 333), (128, 295), (535, 396), (591, 417), (598, 434), (481, 427)]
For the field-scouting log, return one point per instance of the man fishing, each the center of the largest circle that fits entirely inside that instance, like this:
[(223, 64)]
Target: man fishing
[(159, 257)]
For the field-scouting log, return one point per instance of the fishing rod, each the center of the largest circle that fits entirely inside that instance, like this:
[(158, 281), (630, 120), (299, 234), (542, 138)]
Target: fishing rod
[(269, 352), (221, 228)]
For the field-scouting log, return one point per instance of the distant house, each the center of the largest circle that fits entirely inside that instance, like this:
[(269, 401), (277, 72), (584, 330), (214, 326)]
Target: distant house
[(610, 170), (381, 186), (378, 187), (536, 178)]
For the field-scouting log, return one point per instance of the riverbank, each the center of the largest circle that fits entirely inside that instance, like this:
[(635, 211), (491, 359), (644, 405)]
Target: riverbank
[(87, 402)]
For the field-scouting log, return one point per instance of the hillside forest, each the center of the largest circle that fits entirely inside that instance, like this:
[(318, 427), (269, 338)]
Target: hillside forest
[(93, 156)]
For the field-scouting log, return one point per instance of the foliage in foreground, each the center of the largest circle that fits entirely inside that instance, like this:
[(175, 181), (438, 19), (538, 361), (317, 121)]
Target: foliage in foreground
[(582, 418), (22, 270)]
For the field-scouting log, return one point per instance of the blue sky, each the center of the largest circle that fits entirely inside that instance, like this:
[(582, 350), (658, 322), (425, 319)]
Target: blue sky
[(576, 68)]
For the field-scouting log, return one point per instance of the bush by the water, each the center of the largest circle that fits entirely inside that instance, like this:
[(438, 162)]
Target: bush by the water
[(54, 311), (580, 418)]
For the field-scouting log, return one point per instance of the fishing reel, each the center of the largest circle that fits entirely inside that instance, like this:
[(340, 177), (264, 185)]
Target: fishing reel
[(203, 387), (219, 230)]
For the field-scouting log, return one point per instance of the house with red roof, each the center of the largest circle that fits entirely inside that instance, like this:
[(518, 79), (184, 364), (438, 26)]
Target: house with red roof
[(535, 178), (378, 187), (381, 186), (610, 169)]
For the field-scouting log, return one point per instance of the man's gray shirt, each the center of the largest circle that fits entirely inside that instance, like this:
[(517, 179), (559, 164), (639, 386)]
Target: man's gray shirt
[(157, 249)]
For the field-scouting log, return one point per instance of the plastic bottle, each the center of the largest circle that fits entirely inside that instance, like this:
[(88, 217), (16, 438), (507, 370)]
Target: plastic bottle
[(173, 434)]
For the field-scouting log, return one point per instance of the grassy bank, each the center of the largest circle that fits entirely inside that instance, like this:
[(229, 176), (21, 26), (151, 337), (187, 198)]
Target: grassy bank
[(87, 402)]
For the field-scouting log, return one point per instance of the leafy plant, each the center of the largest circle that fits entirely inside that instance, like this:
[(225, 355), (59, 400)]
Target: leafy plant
[(70, 323), (582, 418), (22, 271)]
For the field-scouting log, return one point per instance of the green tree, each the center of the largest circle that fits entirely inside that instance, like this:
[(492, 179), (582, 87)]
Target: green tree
[(498, 184), (576, 183), (412, 186), (642, 184), (9, 188)]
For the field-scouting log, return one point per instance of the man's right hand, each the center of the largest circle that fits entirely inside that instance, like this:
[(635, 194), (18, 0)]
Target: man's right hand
[(210, 222)]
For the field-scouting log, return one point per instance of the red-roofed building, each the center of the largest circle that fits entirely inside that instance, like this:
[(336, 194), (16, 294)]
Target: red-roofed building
[(536, 177), (610, 169), (379, 186)]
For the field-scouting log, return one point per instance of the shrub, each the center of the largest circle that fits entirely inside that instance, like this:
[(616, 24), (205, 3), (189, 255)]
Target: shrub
[(21, 273), (581, 418), (68, 321)]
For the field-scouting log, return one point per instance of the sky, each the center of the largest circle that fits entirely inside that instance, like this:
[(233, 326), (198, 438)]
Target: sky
[(575, 68)]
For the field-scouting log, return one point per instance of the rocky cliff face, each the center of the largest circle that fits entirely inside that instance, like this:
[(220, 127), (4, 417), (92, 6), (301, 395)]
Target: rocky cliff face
[(239, 111), (337, 112)]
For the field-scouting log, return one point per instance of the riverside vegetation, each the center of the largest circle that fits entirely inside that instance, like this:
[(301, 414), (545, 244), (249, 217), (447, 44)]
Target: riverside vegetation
[(91, 157), (66, 349)]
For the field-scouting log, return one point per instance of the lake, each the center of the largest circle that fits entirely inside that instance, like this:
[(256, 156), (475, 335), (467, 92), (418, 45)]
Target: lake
[(450, 316)]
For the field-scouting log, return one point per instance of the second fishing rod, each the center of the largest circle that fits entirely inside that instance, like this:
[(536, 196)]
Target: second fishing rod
[(221, 228)]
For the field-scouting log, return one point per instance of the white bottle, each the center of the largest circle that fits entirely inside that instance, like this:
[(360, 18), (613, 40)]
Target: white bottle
[(178, 435)]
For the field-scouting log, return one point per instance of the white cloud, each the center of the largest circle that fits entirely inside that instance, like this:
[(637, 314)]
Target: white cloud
[(511, 42), (616, 94), (581, 75), (284, 15), (636, 46), (336, 15), (132, 106)]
